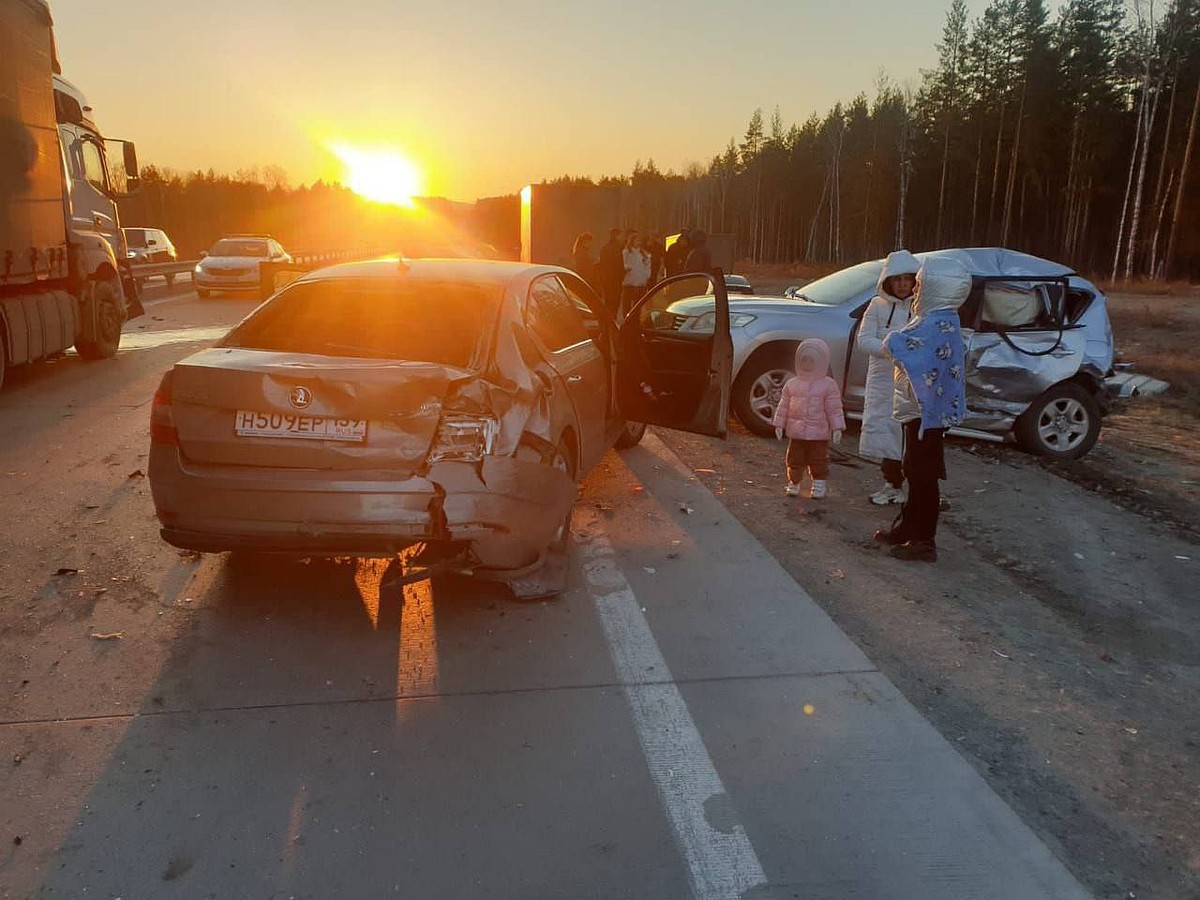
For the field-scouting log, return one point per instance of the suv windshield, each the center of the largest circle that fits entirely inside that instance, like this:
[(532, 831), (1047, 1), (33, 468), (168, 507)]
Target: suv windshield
[(434, 322), (135, 237), (835, 289), (229, 247)]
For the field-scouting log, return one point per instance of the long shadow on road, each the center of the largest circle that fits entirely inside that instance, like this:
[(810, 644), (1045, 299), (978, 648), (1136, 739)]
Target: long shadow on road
[(320, 731)]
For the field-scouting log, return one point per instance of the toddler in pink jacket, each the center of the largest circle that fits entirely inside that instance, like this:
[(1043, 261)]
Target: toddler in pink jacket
[(810, 415)]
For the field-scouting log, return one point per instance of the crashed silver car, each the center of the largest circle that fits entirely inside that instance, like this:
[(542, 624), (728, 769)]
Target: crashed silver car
[(1039, 347), (451, 404)]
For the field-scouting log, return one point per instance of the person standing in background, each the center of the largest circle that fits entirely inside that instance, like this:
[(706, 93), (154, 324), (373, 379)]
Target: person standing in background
[(637, 273), (882, 436), (677, 254), (611, 270), (930, 397), (700, 259), (654, 246), (584, 261)]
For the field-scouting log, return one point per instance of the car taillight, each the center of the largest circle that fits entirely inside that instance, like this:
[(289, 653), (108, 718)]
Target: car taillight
[(464, 438), (162, 422)]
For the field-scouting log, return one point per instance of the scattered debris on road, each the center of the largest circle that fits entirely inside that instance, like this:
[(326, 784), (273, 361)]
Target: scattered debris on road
[(108, 636)]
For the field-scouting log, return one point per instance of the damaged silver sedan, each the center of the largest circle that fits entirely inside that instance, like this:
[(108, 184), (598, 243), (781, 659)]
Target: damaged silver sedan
[(448, 405)]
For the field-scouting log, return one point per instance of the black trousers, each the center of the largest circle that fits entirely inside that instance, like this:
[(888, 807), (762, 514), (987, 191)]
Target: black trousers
[(893, 472), (924, 467)]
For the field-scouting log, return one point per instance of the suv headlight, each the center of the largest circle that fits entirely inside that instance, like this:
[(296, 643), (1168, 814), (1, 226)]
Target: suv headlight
[(708, 321)]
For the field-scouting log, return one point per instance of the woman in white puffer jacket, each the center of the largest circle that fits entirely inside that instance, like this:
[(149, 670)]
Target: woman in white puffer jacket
[(882, 436)]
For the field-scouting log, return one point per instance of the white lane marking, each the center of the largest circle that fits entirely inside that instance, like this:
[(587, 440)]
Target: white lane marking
[(722, 865)]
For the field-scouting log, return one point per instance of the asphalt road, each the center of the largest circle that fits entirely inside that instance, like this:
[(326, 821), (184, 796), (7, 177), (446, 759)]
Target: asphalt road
[(683, 722)]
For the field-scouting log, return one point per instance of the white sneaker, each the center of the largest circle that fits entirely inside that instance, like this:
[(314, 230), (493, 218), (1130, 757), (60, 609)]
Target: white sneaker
[(888, 496), (792, 490), (818, 490)]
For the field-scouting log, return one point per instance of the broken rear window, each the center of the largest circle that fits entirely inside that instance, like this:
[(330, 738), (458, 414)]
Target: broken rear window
[(371, 319)]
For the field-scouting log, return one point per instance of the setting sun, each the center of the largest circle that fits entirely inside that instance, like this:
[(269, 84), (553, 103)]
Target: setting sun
[(385, 176)]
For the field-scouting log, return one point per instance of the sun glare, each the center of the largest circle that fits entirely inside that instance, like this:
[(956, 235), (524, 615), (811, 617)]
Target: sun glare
[(384, 176)]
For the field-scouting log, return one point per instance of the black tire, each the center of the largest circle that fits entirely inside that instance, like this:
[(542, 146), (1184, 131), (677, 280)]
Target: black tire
[(203, 293), (110, 316), (631, 435), (750, 397), (565, 460), (1062, 424)]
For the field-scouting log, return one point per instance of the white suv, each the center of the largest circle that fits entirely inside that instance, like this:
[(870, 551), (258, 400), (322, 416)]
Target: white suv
[(144, 246)]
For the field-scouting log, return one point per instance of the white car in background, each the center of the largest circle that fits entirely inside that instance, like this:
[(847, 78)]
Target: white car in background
[(232, 263)]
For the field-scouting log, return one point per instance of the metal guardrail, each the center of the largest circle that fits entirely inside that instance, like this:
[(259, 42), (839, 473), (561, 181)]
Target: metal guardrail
[(151, 270), (272, 275)]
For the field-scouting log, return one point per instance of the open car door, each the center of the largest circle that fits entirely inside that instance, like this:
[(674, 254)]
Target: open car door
[(675, 356)]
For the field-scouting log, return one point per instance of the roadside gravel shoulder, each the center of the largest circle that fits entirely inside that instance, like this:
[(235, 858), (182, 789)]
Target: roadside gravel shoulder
[(1057, 643)]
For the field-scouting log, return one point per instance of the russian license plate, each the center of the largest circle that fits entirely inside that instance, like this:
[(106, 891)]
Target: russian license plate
[(286, 425)]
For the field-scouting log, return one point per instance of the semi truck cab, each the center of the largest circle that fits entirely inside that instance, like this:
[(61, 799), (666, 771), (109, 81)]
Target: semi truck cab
[(97, 173), (64, 273)]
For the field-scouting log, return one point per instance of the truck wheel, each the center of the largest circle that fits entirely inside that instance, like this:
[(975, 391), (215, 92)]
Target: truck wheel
[(110, 316), (1063, 423), (758, 386)]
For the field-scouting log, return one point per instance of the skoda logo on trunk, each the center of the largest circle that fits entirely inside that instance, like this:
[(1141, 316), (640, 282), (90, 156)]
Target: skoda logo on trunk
[(300, 397)]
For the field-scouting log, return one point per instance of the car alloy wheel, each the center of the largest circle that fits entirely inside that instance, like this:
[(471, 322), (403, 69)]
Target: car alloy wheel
[(766, 391), (1063, 424)]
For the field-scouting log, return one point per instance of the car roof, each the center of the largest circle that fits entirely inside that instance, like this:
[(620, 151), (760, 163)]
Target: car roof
[(488, 271)]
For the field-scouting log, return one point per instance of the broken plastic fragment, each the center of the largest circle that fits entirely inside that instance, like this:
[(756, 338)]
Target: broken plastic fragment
[(684, 508), (650, 570), (108, 636)]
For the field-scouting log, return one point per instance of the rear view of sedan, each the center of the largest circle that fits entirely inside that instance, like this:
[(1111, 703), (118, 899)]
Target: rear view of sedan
[(452, 404)]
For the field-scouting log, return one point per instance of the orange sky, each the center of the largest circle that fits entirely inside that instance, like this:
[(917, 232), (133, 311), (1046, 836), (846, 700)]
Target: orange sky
[(483, 96)]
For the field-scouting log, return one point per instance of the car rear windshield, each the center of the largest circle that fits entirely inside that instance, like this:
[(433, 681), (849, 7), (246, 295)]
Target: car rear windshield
[(836, 289), (238, 248), (135, 237), (435, 322)]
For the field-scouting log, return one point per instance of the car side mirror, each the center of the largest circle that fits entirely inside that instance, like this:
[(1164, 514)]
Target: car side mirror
[(791, 292), (203, 253)]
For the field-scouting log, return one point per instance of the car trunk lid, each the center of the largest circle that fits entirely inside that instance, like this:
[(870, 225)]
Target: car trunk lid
[(260, 408)]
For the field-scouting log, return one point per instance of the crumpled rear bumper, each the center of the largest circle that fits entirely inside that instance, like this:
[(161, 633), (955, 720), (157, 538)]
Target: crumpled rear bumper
[(506, 511)]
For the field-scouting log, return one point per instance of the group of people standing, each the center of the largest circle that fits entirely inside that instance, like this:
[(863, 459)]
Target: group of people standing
[(915, 391), (631, 263)]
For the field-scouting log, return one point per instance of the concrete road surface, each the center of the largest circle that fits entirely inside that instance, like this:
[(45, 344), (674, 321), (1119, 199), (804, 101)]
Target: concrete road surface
[(683, 722)]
